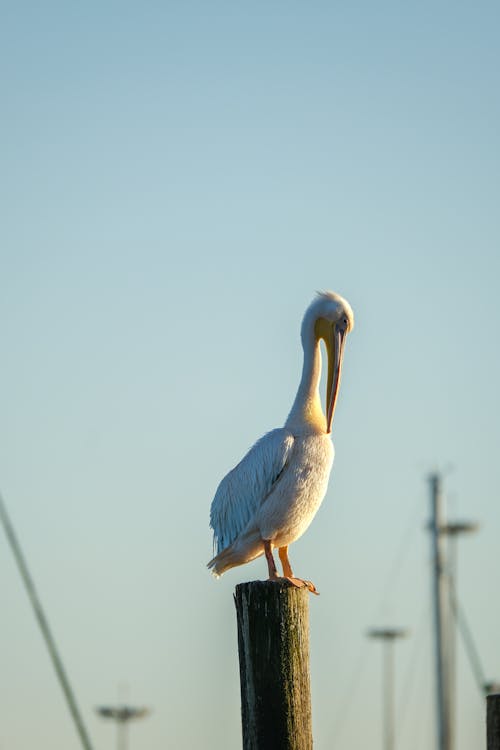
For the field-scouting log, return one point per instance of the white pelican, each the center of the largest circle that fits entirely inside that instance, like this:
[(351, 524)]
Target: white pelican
[(270, 498)]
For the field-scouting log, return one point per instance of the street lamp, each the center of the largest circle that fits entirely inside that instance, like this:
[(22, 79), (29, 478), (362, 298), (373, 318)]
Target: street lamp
[(122, 715), (388, 636)]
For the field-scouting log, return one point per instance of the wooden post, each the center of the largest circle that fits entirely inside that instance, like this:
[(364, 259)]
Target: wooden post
[(493, 721), (273, 645)]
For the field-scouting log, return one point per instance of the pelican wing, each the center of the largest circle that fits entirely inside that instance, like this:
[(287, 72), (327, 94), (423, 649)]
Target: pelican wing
[(245, 488)]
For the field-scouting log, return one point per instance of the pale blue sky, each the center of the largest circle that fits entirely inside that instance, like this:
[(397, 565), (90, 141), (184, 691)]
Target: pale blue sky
[(177, 181)]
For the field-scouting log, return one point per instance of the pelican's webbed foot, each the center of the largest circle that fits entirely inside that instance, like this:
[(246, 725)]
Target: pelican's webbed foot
[(301, 583), (288, 575)]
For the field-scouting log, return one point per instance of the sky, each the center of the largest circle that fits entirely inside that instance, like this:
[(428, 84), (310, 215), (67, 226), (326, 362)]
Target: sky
[(178, 179)]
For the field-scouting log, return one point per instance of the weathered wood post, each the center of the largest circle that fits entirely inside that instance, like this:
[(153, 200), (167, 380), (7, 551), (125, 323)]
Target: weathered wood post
[(273, 645), (493, 721)]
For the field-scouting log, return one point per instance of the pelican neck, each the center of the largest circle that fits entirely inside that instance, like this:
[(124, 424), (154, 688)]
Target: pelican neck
[(306, 414)]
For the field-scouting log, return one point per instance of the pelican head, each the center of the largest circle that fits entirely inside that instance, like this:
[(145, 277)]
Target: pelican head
[(329, 317)]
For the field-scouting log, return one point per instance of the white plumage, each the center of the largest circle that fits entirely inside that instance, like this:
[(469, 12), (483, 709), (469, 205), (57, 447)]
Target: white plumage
[(270, 498)]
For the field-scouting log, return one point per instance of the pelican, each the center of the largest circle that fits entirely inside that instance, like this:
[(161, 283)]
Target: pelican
[(269, 499)]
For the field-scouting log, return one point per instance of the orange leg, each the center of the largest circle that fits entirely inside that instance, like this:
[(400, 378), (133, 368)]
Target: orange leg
[(288, 573), (285, 562), (268, 551)]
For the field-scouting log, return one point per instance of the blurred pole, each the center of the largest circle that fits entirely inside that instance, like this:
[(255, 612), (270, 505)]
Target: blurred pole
[(388, 636), (121, 735), (452, 630), (388, 655), (44, 626), (441, 599), (122, 715), (493, 722), (453, 531)]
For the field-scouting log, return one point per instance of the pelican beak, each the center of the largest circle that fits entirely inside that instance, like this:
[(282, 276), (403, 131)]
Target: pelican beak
[(335, 349)]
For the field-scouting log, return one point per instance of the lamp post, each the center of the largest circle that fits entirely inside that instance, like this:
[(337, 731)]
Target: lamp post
[(388, 636), (453, 530), (122, 715), (440, 591)]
